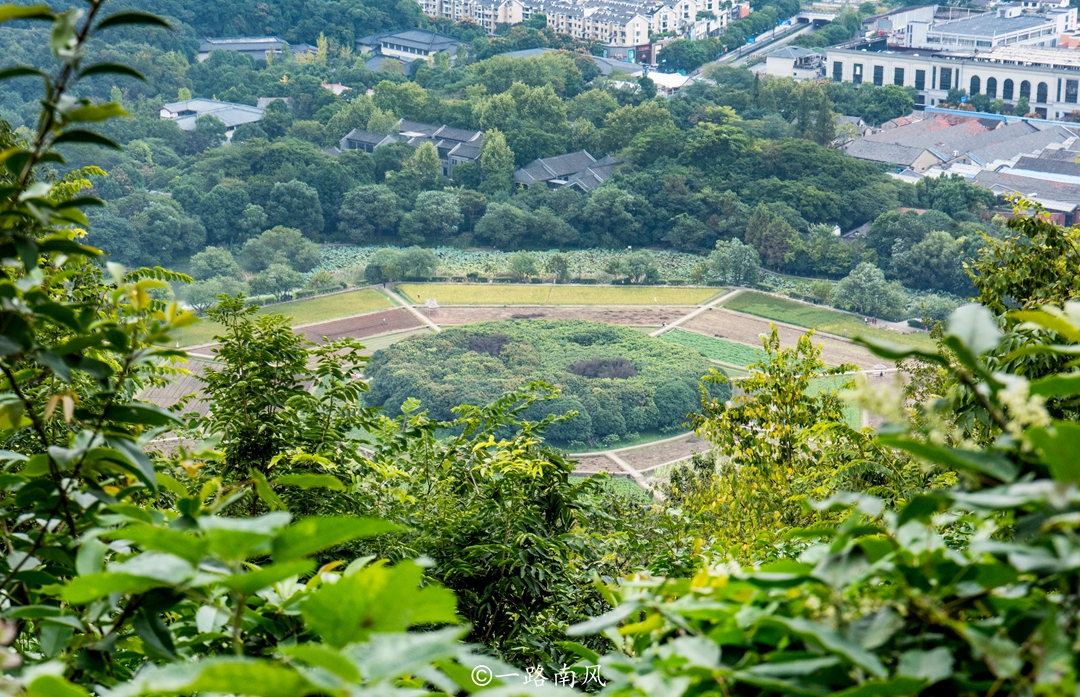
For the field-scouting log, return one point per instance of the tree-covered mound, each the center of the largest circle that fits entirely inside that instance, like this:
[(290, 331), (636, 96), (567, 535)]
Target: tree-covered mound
[(621, 381)]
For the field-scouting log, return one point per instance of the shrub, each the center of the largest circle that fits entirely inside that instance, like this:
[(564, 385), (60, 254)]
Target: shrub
[(616, 368)]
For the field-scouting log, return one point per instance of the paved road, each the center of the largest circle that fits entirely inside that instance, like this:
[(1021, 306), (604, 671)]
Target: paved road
[(738, 60)]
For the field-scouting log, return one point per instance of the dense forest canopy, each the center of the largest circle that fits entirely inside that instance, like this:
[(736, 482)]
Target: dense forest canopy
[(617, 379)]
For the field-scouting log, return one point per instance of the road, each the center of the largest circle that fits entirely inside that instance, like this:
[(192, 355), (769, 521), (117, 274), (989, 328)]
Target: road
[(738, 58)]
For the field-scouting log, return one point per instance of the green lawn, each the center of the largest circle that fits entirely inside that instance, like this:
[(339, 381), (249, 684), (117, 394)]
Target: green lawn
[(716, 349), (546, 294), (307, 311), (820, 318)]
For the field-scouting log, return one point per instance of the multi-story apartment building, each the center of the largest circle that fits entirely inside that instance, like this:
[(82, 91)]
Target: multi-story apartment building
[(616, 23)]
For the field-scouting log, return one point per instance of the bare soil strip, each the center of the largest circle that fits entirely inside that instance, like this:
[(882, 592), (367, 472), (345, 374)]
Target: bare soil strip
[(623, 316)]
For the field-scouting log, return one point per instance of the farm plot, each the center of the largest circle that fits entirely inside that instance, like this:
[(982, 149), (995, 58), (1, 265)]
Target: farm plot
[(593, 464), (747, 329), (650, 456), (820, 318), (362, 326), (298, 312), (545, 294), (624, 316), (716, 349)]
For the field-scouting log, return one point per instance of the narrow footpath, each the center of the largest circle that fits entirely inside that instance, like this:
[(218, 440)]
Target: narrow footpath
[(695, 313), (409, 306)]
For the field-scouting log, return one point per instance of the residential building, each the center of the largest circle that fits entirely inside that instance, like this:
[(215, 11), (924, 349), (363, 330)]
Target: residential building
[(577, 169), (1060, 199), (186, 113), (454, 145), (795, 62), (626, 27), (257, 47), (1048, 77), (409, 45)]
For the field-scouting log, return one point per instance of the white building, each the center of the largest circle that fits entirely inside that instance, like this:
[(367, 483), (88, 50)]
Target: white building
[(1005, 27), (794, 62), (1048, 77)]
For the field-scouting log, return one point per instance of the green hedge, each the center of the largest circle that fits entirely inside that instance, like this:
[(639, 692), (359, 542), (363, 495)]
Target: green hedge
[(478, 363)]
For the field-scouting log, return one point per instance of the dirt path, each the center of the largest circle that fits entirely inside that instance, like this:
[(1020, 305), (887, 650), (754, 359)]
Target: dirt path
[(704, 308), (408, 307), (747, 329)]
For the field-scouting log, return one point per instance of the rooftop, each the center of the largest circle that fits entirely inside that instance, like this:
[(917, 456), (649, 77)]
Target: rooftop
[(790, 52), (412, 38), (1045, 191), (241, 43), (990, 25)]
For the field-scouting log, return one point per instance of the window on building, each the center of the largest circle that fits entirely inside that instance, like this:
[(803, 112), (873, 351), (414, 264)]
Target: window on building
[(837, 71), (1070, 91), (898, 76), (1025, 89), (1041, 92), (975, 86), (945, 82), (991, 87), (879, 75), (1007, 90), (856, 73), (920, 80)]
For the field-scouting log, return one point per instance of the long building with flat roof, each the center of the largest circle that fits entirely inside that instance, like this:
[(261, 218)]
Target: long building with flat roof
[(1048, 77)]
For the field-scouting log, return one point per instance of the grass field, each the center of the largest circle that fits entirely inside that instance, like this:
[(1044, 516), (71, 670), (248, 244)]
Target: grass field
[(716, 349), (820, 318), (299, 312), (544, 294)]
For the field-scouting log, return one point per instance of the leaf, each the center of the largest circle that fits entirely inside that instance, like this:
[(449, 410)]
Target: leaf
[(90, 558), (111, 68), (1058, 446), (599, 624), (391, 655), (1001, 654), (262, 488), (311, 481), (241, 538), (975, 327), (54, 686), (323, 657), (987, 463), (94, 113), (122, 18), (149, 537), (581, 650), (81, 136), (933, 666), (786, 669), (9, 13), (155, 635), (896, 351), (249, 583), (312, 535), (140, 464), (86, 589), (829, 639), (923, 507), (873, 631), (20, 71), (141, 414), (377, 598), (1056, 385)]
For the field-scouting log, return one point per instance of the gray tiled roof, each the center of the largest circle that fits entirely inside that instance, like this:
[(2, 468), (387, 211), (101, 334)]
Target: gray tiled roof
[(406, 127), (380, 63), (242, 43), (1043, 189), (230, 114), (575, 169), (891, 153)]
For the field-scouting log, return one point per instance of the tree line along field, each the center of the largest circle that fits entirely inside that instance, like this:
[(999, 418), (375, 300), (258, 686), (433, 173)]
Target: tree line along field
[(819, 318), (537, 294)]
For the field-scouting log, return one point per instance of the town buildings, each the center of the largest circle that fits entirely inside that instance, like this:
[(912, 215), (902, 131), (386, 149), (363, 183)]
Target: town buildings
[(409, 45), (627, 28), (579, 170), (186, 113), (454, 145), (258, 47)]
